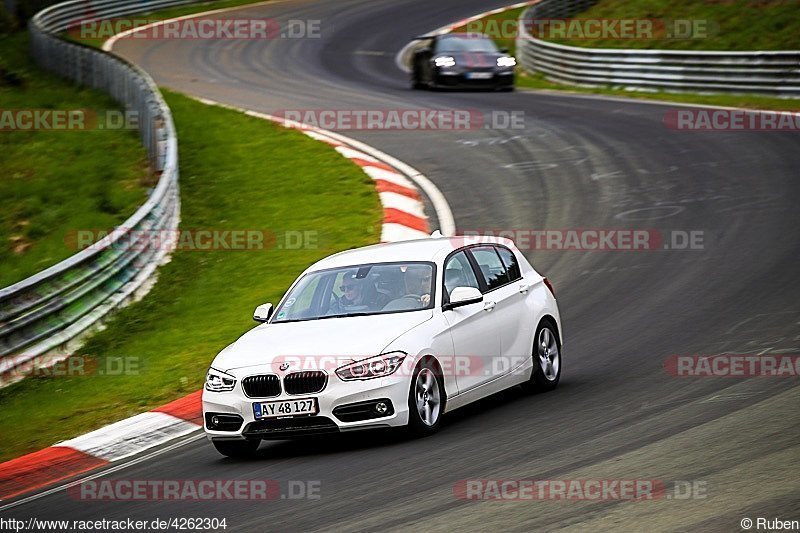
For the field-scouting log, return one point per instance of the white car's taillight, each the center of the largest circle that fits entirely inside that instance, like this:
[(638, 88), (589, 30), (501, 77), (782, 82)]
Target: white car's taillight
[(549, 286)]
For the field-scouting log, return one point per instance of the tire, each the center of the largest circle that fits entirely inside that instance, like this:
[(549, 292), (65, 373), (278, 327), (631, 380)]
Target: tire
[(415, 81), (426, 399), (237, 449), (546, 356)]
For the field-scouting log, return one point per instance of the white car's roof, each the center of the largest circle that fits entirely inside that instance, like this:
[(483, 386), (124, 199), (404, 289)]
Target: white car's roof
[(433, 249)]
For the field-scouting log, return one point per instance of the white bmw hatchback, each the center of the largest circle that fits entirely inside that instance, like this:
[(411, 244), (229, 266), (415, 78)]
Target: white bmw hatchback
[(386, 335)]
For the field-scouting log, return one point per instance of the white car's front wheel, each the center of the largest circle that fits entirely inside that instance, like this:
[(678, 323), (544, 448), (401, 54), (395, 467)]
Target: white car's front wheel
[(426, 399)]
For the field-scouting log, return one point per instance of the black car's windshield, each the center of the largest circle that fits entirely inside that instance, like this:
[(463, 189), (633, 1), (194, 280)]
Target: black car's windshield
[(359, 290), (465, 43)]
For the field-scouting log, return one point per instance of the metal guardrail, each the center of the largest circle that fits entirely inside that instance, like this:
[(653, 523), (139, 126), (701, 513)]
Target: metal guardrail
[(44, 317), (769, 73)]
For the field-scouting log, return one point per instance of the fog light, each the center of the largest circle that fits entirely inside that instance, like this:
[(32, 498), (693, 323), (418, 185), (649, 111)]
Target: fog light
[(381, 408), (215, 421)]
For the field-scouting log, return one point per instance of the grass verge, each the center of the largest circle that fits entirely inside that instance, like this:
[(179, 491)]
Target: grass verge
[(717, 25), (53, 180), (237, 173), (494, 24)]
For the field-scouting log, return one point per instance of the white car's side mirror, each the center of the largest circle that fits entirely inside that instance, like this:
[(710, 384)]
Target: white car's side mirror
[(262, 312), (463, 296)]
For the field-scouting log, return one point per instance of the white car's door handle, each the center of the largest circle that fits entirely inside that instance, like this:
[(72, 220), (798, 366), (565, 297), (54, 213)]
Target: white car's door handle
[(523, 288), (488, 306)]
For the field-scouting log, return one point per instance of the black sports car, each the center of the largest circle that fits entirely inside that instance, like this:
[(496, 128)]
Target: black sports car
[(461, 60)]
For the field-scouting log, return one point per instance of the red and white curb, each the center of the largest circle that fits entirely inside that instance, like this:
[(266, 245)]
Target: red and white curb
[(403, 213), (397, 183), (101, 447)]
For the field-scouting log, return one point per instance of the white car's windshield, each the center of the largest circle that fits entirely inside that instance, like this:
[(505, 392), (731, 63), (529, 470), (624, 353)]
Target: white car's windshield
[(359, 290)]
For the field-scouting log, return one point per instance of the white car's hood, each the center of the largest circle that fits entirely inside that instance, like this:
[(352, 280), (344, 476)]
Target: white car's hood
[(350, 337)]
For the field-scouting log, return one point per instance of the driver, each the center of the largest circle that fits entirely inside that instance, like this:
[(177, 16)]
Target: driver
[(352, 291), (418, 283), (357, 294)]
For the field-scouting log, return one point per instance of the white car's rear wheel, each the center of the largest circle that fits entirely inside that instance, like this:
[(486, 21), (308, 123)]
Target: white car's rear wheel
[(546, 358)]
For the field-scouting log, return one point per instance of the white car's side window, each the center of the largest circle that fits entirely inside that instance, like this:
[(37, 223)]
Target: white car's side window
[(458, 273), (492, 268), (510, 262)]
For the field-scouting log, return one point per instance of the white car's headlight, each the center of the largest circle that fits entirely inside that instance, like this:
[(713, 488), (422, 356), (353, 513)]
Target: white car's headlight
[(445, 61), (506, 61), (217, 381), (371, 367)]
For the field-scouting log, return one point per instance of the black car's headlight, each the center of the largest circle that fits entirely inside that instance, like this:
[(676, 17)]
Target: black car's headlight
[(217, 381), (372, 367), (506, 61), (444, 61)]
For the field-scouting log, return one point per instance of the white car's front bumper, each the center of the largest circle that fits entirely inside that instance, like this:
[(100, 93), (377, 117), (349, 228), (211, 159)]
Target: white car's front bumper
[(336, 394)]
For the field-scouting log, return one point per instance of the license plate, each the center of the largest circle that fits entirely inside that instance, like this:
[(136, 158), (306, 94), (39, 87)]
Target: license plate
[(300, 406), (479, 75)]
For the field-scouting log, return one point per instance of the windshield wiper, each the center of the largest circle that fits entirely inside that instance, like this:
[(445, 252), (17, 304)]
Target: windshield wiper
[(342, 315)]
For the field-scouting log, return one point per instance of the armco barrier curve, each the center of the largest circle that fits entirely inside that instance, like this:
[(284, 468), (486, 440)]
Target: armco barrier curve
[(768, 73), (44, 317)]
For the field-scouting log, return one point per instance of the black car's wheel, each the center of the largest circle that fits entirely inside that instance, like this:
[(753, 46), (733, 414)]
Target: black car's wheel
[(546, 359), (237, 449), (416, 82), (426, 399)]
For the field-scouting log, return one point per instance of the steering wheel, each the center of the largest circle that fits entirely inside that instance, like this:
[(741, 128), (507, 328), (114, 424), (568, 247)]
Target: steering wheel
[(416, 297)]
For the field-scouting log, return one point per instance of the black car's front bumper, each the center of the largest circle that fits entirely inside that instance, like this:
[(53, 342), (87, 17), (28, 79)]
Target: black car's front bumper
[(497, 79)]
